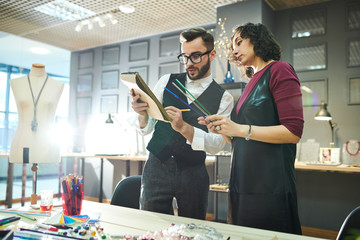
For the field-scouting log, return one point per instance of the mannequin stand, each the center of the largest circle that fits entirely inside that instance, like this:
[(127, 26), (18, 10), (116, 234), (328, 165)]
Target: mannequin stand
[(33, 198)]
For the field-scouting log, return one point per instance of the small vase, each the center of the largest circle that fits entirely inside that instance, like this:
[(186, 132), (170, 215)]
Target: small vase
[(229, 78)]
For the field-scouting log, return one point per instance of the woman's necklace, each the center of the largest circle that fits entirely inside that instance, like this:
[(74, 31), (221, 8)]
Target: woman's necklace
[(347, 148), (34, 122)]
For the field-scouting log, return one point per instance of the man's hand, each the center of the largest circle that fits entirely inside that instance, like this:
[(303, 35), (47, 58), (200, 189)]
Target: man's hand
[(140, 108), (178, 124)]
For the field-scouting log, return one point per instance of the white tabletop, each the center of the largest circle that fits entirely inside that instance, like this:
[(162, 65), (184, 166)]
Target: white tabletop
[(119, 220)]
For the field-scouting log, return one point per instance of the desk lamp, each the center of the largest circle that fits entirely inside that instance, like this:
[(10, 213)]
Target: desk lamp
[(109, 120), (324, 115)]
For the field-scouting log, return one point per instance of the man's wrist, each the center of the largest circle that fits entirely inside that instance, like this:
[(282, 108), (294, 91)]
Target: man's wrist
[(143, 120)]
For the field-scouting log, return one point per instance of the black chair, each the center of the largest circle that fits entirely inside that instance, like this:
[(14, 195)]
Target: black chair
[(350, 228), (127, 192)]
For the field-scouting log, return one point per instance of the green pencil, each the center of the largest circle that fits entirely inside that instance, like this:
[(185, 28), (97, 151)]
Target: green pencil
[(25, 216)]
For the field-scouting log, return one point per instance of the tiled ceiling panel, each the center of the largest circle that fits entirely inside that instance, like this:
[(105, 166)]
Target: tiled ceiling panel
[(19, 17)]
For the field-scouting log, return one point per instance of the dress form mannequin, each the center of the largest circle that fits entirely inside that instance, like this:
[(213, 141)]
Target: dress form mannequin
[(30, 146), (36, 96)]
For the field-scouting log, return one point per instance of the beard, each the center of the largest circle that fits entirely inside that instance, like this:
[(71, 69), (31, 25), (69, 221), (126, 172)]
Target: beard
[(202, 71)]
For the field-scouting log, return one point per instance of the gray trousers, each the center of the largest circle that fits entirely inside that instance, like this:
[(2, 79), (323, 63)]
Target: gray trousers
[(163, 180)]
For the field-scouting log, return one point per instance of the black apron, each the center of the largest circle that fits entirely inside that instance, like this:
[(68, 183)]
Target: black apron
[(262, 181)]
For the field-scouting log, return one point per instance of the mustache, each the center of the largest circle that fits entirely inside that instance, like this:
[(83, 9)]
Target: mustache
[(192, 68)]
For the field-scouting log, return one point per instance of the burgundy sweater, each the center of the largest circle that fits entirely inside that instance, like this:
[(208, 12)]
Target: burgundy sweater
[(285, 87)]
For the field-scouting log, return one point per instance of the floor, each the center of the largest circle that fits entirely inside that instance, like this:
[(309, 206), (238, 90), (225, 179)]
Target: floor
[(43, 183)]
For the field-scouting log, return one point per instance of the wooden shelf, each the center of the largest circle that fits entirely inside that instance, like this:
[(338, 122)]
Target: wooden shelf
[(340, 168), (319, 167)]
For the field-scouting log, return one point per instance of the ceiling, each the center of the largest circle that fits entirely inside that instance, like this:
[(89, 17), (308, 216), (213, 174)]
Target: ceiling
[(19, 17)]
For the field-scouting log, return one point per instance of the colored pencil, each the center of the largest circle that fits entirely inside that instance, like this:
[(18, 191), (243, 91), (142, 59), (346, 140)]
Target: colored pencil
[(195, 103), (183, 102), (193, 96)]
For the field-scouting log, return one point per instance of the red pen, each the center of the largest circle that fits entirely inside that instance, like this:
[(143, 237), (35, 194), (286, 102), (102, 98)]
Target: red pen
[(47, 227)]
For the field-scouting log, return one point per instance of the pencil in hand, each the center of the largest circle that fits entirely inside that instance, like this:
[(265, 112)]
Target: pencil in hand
[(185, 110)]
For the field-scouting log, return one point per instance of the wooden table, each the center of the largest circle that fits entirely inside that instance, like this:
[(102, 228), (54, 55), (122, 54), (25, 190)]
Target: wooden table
[(119, 220)]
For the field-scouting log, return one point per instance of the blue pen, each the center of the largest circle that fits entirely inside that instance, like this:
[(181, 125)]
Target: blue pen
[(184, 102), (8, 220)]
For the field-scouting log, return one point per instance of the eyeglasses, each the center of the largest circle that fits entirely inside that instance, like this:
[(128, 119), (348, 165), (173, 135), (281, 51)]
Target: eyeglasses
[(195, 58)]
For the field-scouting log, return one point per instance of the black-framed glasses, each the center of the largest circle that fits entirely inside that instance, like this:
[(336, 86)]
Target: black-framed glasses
[(195, 58)]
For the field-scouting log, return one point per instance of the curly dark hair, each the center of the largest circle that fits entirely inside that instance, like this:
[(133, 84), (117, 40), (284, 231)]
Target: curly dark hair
[(196, 32), (265, 45)]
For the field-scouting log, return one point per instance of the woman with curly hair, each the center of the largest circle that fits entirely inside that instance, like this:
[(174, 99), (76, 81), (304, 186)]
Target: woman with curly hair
[(266, 123)]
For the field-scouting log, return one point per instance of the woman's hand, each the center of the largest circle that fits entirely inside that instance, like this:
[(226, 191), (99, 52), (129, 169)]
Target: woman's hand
[(220, 124)]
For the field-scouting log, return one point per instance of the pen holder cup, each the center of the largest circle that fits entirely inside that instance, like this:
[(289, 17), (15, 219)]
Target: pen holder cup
[(72, 203)]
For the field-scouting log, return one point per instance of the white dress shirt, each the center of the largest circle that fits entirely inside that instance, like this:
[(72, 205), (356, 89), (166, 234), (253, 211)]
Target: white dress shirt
[(202, 141)]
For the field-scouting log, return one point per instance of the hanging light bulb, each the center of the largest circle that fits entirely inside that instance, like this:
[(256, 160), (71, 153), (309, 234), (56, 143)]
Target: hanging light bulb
[(78, 27), (100, 21), (111, 19), (126, 9), (90, 25)]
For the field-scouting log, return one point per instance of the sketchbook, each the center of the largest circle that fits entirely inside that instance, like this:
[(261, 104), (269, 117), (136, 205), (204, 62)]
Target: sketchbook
[(134, 81)]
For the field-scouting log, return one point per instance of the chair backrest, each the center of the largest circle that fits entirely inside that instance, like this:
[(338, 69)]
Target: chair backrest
[(127, 192), (350, 226)]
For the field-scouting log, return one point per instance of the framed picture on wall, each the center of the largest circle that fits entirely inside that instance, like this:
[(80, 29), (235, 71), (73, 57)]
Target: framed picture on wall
[(111, 56), (353, 56), (110, 79), (352, 15), (165, 68), (309, 23), (84, 83), (142, 70), (139, 51), (313, 92), (109, 104), (83, 105), (86, 60), (310, 58), (129, 108), (354, 90), (169, 46)]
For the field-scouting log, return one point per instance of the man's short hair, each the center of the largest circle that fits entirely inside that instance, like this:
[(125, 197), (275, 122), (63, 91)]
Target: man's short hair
[(192, 33)]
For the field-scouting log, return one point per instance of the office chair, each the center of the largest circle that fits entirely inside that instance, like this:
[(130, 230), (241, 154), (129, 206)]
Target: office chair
[(127, 192), (350, 228)]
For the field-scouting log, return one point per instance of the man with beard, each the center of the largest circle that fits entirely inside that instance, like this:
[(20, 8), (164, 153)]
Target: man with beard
[(177, 150)]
